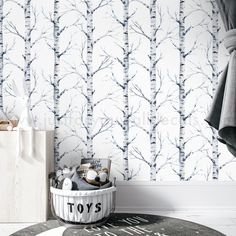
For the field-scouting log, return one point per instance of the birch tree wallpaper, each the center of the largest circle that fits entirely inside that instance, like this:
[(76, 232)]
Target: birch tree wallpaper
[(130, 80)]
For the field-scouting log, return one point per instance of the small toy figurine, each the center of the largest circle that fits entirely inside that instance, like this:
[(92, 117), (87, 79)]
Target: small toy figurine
[(26, 122)]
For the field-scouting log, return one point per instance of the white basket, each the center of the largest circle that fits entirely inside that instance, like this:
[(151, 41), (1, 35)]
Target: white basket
[(83, 207)]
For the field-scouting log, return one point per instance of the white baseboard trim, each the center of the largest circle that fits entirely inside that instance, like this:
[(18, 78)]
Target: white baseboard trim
[(194, 197)]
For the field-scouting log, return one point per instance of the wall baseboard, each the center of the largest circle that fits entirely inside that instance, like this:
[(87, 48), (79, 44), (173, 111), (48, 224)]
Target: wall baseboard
[(208, 197)]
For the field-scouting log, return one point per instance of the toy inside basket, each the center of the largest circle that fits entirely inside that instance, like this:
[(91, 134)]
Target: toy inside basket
[(82, 207)]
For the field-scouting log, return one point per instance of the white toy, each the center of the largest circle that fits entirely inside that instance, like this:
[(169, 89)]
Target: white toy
[(67, 184), (26, 122)]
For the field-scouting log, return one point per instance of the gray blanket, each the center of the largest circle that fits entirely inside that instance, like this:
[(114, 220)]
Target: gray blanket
[(223, 111), (222, 115)]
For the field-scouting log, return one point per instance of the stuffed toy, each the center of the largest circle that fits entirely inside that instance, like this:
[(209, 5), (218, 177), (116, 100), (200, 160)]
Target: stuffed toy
[(69, 172), (59, 178), (97, 178), (103, 176), (62, 174), (75, 179), (80, 184), (67, 184)]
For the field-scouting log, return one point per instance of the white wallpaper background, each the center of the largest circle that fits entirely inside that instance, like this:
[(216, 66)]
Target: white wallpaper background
[(127, 80)]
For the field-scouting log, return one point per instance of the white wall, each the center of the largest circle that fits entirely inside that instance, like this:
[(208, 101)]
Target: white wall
[(72, 131)]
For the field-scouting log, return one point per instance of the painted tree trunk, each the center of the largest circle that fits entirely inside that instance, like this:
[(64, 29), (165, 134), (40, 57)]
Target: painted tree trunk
[(56, 92), (152, 71), (1, 55), (89, 66), (27, 57), (182, 92), (126, 89), (214, 82)]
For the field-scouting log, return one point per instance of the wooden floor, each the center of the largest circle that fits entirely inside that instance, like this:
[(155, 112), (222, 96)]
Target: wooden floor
[(223, 222)]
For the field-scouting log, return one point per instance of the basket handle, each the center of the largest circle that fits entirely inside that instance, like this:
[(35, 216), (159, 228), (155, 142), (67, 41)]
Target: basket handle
[(114, 181), (51, 177), (114, 196)]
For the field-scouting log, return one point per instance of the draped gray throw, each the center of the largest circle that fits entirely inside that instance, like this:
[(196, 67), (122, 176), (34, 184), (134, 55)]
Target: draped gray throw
[(222, 115)]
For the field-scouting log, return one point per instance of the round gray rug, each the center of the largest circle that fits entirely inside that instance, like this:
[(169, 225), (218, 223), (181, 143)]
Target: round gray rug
[(127, 224)]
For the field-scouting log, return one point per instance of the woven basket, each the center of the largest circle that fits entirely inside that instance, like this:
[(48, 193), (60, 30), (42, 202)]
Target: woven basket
[(83, 207)]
